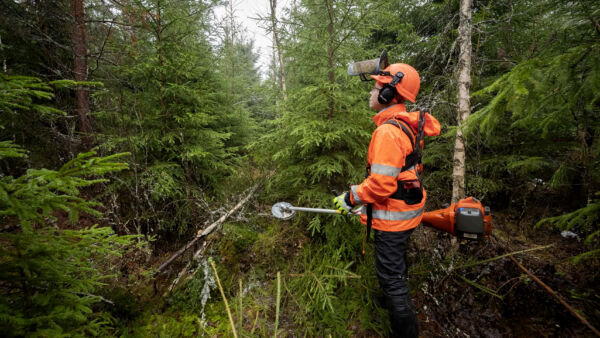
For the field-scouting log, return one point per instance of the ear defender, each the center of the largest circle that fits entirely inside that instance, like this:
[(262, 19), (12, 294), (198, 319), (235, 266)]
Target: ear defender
[(388, 92)]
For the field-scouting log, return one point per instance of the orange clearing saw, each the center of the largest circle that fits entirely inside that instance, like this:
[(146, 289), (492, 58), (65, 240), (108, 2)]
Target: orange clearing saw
[(467, 219)]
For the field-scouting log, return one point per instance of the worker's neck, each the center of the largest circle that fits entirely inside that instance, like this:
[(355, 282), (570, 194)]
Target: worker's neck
[(388, 112), (400, 106), (386, 107)]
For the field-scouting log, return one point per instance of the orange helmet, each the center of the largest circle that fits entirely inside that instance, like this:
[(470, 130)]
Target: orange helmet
[(407, 85)]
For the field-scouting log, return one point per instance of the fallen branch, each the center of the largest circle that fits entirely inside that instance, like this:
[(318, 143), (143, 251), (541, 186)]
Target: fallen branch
[(95, 296), (557, 296), (479, 286), (189, 273), (184, 271), (82, 294), (203, 233), (503, 256)]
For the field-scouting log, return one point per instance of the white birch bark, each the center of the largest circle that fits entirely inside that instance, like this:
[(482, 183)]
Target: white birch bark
[(464, 100)]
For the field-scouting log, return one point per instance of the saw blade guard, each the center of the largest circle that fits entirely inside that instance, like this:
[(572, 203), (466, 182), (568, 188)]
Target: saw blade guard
[(282, 210)]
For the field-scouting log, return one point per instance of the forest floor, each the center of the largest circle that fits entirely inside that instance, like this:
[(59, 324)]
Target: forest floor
[(491, 299), (505, 301)]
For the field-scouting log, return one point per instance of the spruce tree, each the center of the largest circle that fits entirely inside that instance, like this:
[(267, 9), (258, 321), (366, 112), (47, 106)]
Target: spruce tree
[(538, 125), (167, 104), (50, 274)]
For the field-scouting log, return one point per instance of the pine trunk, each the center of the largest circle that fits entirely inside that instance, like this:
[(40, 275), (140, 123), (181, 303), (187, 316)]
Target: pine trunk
[(80, 69), (464, 101)]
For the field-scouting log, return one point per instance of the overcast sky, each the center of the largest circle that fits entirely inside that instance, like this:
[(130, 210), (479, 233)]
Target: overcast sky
[(245, 11)]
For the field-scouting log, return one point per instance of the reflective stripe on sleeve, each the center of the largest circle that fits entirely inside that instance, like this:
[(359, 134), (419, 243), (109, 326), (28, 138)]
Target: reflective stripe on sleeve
[(397, 215), (355, 195), (386, 170)]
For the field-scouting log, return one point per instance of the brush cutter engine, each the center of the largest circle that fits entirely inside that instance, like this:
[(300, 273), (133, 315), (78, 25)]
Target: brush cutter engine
[(467, 219)]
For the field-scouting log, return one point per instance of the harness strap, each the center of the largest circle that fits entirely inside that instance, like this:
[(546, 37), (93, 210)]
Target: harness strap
[(404, 126), (410, 191), (413, 158)]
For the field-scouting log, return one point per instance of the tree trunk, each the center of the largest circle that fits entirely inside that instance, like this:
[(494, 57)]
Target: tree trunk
[(80, 69), (464, 101), (231, 28), (129, 12), (4, 68), (279, 52), (330, 54), (162, 79)]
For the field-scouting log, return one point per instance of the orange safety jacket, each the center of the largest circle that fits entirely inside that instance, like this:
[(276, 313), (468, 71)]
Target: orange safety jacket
[(386, 156)]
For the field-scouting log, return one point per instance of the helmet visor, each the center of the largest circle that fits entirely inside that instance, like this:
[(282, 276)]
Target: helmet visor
[(368, 67)]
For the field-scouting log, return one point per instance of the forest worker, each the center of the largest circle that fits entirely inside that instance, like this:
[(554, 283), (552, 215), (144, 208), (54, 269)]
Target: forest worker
[(392, 194)]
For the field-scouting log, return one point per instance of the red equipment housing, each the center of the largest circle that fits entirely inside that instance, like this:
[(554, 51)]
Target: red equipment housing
[(467, 219)]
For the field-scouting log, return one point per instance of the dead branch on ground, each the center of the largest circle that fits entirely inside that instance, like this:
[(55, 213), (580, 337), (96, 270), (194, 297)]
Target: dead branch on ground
[(203, 233), (556, 295)]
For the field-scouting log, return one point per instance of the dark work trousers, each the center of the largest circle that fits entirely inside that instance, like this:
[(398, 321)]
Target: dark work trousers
[(392, 272)]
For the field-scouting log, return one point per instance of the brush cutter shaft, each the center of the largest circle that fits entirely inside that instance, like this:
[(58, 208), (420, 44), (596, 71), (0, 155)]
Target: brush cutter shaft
[(284, 210), (322, 211)]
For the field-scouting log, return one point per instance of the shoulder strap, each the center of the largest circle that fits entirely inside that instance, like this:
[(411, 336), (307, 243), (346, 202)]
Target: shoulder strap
[(414, 157), (405, 128), (420, 132)]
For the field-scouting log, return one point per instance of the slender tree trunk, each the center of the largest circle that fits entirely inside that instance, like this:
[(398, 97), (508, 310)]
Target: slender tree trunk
[(274, 57), (80, 69), (231, 29), (279, 52), (161, 60), (330, 56), (464, 101), (130, 14), (4, 68), (274, 66)]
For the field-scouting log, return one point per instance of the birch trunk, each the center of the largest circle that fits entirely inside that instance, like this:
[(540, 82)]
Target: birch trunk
[(464, 101), (80, 68)]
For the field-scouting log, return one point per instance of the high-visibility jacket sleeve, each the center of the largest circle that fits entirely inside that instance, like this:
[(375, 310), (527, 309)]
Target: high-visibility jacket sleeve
[(387, 152)]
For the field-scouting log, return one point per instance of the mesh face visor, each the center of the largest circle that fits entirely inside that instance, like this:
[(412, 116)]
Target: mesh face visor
[(369, 67)]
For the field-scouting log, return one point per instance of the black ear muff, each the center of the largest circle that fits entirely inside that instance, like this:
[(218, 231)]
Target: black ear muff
[(386, 94)]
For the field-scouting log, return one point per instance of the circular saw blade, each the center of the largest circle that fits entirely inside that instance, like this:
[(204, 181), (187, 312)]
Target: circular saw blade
[(282, 210)]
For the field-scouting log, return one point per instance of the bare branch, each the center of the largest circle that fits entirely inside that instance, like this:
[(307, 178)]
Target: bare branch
[(203, 233)]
